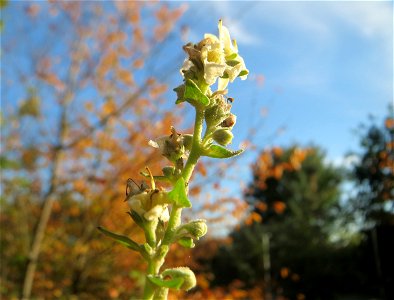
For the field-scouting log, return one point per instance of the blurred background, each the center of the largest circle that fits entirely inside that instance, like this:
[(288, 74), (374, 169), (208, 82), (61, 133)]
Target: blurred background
[(307, 212)]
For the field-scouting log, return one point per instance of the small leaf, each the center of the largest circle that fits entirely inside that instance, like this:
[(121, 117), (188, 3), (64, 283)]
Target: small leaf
[(124, 240), (137, 218), (178, 194), (186, 242), (231, 56), (243, 73), (6, 163), (217, 151), (194, 95), (148, 249), (156, 177), (174, 283), (232, 63)]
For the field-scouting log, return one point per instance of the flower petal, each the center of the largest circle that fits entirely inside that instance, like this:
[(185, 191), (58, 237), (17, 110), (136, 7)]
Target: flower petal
[(153, 144), (212, 71), (154, 213), (222, 83)]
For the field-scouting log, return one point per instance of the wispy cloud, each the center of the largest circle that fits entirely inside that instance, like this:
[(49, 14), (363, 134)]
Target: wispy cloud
[(232, 13)]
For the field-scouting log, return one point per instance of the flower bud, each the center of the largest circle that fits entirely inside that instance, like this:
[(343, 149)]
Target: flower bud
[(194, 229), (223, 136), (182, 272), (216, 114)]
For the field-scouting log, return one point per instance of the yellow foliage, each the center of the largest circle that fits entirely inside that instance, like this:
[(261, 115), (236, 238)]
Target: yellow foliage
[(109, 106), (125, 76)]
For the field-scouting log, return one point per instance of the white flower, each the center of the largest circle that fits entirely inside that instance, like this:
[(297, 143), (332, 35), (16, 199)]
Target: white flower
[(187, 64), (213, 59), (220, 57), (150, 204)]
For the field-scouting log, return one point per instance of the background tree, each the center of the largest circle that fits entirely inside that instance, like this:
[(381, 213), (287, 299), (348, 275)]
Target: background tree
[(374, 172), (83, 90), (75, 108), (293, 197)]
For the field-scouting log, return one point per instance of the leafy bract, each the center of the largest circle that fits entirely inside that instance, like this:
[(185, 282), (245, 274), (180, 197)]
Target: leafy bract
[(217, 151), (124, 240), (186, 242), (194, 95), (178, 194), (174, 283)]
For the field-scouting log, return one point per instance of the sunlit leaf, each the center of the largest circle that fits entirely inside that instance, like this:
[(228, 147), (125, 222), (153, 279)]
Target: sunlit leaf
[(124, 240), (186, 242), (174, 283), (178, 195), (216, 151), (194, 95)]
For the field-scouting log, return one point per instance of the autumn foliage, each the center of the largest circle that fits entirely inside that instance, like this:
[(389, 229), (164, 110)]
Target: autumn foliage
[(76, 121)]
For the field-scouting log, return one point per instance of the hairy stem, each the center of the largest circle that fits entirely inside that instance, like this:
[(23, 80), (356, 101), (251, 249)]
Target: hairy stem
[(195, 152), (156, 261)]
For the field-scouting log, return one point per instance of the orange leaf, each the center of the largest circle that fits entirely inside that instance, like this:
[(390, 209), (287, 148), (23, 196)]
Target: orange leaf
[(138, 63), (279, 207), (284, 272), (125, 76), (389, 123), (109, 107)]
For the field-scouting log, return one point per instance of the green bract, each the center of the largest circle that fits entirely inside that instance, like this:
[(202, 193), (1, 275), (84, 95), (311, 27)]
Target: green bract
[(216, 151), (178, 195)]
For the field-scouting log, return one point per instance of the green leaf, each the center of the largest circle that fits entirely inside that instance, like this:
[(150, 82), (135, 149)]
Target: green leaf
[(231, 56), (194, 95), (6, 163), (124, 240), (186, 242), (174, 283), (232, 63), (217, 151), (137, 218), (225, 75), (178, 194), (243, 73), (148, 249), (156, 178)]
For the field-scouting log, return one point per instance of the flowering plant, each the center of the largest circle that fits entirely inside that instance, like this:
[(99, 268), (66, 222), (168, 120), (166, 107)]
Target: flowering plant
[(212, 60)]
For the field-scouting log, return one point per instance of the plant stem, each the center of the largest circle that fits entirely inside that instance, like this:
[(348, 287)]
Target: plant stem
[(195, 152), (150, 289), (156, 261), (150, 233)]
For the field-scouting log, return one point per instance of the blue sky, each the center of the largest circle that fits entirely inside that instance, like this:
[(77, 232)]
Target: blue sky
[(327, 65)]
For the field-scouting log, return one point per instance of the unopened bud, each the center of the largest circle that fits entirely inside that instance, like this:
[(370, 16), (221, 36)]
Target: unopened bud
[(194, 229), (223, 136), (216, 114), (182, 272)]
